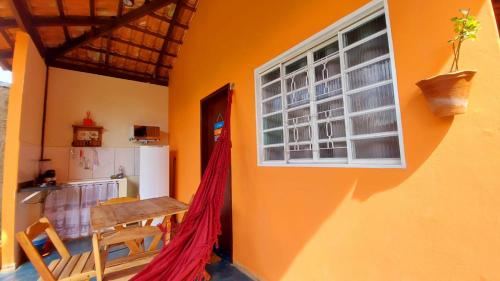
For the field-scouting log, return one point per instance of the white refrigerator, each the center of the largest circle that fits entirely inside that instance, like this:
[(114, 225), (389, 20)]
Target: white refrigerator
[(154, 171)]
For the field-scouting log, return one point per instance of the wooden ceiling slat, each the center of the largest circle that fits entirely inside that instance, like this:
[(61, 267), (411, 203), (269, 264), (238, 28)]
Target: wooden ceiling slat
[(165, 19), (135, 14), (23, 19), (141, 46), (166, 40), (92, 8), (115, 54), (152, 33)]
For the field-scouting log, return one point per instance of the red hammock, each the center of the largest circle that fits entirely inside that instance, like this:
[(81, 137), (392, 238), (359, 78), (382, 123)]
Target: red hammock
[(185, 257)]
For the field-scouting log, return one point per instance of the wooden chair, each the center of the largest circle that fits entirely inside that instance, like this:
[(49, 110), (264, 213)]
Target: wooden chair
[(78, 267), (125, 267), (134, 247)]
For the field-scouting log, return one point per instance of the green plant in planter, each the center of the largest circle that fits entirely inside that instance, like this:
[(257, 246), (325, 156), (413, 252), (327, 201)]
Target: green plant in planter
[(466, 27)]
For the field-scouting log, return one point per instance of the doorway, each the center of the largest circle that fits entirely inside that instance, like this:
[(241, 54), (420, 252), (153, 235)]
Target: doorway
[(213, 108)]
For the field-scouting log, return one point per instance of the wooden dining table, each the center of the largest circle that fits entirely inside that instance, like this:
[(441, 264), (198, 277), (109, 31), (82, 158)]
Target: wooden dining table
[(117, 216)]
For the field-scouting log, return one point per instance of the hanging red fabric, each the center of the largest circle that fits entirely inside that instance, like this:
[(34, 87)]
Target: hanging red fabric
[(185, 257)]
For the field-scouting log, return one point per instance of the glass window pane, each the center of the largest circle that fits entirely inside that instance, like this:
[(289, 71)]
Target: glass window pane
[(376, 122), (329, 89), (299, 134), (372, 49), (365, 30), (333, 150), (294, 66), (271, 76), (271, 90), (272, 121), (332, 129), (326, 51), (373, 98), (329, 109), (296, 81), (273, 137), (380, 148), (274, 153), (370, 74), (271, 105), (301, 151), (299, 116), (297, 98), (327, 69)]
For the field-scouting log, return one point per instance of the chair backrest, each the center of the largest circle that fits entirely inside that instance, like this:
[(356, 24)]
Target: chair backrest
[(26, 237)]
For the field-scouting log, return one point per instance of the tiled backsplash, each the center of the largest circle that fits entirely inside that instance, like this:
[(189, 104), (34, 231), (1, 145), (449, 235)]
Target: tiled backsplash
[(79, 163)]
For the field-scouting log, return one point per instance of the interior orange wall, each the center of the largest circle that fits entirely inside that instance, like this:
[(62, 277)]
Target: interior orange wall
[(438, 219), (22, 144)]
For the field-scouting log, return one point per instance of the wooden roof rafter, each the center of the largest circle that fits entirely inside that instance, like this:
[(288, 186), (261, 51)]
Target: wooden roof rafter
[(105, 35), (148, 7), (23, 19)]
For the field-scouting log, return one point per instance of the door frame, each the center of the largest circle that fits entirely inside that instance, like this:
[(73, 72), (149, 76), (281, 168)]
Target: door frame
[(224, 90)]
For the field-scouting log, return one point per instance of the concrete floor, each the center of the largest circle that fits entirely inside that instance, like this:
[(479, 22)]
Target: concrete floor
[(222, 271)]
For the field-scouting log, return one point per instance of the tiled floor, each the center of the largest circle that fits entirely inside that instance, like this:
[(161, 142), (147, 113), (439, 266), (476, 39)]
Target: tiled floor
[(222, 271)]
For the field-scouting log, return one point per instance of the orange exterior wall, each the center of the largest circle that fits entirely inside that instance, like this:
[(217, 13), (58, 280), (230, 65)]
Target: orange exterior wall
[(22, 143), (438, 219)]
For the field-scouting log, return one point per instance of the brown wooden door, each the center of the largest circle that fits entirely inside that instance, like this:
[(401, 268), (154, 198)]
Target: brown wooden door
[(213, 108)]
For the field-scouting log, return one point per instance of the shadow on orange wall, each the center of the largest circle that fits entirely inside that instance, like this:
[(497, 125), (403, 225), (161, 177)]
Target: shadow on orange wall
[(279, 210)]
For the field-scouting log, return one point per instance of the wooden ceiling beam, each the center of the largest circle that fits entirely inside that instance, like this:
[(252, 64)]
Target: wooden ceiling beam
[(117, 73), (72, 20), (135, 14), (166, 39), (114, 54), (7, 38), (7, 23), (60, 7), (6, 54), (24, 21)]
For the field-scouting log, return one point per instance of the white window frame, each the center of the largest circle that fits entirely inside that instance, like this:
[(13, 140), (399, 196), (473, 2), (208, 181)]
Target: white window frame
[(317, 41)]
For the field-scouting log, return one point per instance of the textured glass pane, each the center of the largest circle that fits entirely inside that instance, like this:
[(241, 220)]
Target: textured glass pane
[(365, 30), (271, 76), (273, 137), (370, 74), (274, 153), (272, 105), (272, 121), (271, 90), (327, 69), (296, 65), (333, 150), (329, 89), (297, 98), (299, 116), (326, 51), (299, 134), (332, 129), (376, 148), (301, 151), (377, 122), (329, 109), (296, 81), (372, 49), (373, 98)]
